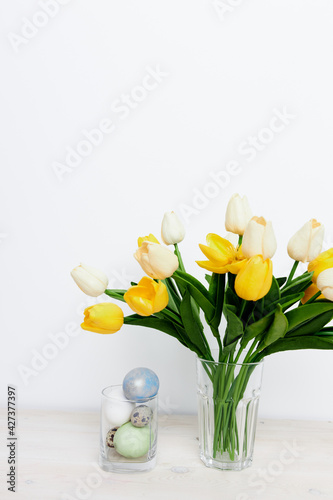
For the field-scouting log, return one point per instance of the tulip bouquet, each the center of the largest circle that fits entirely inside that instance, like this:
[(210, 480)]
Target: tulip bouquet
[(264, 314)]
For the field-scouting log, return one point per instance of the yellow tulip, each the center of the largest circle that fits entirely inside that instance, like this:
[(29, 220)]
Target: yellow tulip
[(223, 256), (147, 297), (322, 262), (150, 238), (103, 318), (254, 279), (310, 292)]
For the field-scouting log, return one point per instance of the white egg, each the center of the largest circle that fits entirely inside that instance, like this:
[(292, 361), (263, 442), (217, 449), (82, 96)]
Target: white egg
[(117, 411)]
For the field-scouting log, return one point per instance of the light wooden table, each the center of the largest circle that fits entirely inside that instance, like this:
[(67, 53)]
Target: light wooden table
[(58, 459)]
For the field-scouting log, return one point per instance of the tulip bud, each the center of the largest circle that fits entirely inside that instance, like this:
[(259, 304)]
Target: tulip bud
[(306, 244), (156, 260), (238, 214), (173, 230), (147, 297), (325, 283), (90, 280), (103, 318), (254, 280), (259, 239)]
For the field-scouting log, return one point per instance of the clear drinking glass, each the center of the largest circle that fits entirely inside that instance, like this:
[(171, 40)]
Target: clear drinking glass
[(228, 400), (128, 432)]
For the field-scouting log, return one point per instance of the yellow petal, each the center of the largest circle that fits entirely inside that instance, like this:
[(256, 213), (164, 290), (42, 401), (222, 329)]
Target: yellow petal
[(214, 256), (161, 298), (103, 318), (215, 242), (236, 266), (150, 237), (310, 292), (254, 279), (140, 305), (209, 266), (321, 263)]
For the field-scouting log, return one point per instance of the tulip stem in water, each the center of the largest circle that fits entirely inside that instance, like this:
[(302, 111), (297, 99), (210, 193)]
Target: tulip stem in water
[(292, 272), (180, 260)]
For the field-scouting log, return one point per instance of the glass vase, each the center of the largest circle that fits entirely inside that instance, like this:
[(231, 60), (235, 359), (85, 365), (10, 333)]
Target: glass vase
[(228, 400), (128, 432)]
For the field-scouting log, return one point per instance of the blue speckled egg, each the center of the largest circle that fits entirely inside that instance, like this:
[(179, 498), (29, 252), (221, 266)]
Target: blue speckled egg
[(140, 384)]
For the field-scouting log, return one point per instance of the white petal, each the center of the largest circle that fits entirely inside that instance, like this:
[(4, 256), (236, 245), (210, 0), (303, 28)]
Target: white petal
[(269, 242), (316, 243), (325, 279), (252, 239), (298, 245)]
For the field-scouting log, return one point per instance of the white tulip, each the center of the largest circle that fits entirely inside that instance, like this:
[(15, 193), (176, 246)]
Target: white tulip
[(238, 214), (156, 260), (259, 239), (173, 230), (91, 281), (307, 243), (325, 283)]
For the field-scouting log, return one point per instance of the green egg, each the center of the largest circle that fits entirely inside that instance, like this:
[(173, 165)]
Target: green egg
[(132, 442)]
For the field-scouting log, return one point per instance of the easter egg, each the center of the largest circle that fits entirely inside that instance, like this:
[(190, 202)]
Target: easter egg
[(110, 437), (140, 384), (141, 416), (132, 442), (117, 409)]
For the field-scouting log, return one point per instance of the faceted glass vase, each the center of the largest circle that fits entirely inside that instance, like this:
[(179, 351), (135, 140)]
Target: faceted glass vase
[(228, 400)]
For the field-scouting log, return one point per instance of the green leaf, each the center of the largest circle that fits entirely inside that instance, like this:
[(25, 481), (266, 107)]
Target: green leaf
[(277, 329), (216, 289), (234, 328), (163, 325), (199, 293), (312, 326), (295, 343), (301, 315), (116, 294), (258, 328), (208, 278), (299, 284), (281, 281), (232, 298), (273, 295), (192, 324)]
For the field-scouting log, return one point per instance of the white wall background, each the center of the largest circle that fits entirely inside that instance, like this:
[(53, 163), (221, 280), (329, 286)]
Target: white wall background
[(223, 77)]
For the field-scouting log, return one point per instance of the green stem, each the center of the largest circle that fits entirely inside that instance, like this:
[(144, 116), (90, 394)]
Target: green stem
[(313, 298), (180, 260), (292, 272)]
